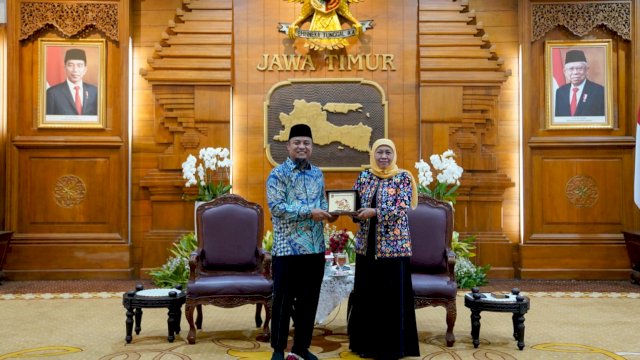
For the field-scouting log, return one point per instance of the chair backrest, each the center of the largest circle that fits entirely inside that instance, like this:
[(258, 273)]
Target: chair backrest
[(229, 231), (431, 228)]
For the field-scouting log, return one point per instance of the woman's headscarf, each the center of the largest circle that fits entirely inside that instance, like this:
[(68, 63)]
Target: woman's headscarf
[(391, 170)]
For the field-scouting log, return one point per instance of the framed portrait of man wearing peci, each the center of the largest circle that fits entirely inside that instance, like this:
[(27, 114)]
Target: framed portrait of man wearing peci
[(71, 83), (578, 78)]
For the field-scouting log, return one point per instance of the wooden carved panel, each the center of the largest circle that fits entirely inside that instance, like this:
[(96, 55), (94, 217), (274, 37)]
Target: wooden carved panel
[(581, 17), (62, 192), (70, 18), (580, 195)]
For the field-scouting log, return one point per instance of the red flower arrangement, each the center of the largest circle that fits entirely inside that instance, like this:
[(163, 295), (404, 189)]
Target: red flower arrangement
[(338, 241)]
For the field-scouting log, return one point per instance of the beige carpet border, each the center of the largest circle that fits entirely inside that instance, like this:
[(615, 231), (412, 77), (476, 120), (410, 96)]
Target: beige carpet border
[(111, 295)]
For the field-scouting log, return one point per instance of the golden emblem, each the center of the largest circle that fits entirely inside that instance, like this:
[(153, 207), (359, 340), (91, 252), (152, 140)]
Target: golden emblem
[(325, 31)]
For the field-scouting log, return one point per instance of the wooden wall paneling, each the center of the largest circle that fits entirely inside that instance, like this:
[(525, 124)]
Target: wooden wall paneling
[(160, 141), (3, 119), (62, 192), (241, 84), (572, 261), (150, 26), (256, 28), (261, 39), (580, 193), (45, 261), (411, 90), (577, 181), (190, 76), (67, 193), (459, 64), (500, 24)]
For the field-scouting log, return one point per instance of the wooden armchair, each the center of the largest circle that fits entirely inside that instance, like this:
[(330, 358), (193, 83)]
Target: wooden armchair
[(432, 263), (229, 267)]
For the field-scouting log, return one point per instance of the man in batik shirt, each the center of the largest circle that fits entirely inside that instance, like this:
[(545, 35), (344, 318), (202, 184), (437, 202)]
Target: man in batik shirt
[(296, 198)]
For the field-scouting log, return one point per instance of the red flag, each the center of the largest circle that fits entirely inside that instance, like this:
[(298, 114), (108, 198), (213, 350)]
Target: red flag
[(558, 68), (55, 65), (636, 177)]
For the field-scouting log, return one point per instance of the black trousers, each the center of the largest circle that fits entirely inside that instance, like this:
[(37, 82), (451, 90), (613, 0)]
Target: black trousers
[(296, 285)]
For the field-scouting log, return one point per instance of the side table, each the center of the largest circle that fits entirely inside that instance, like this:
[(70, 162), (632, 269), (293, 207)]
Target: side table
[(134, 301), (513, 303)]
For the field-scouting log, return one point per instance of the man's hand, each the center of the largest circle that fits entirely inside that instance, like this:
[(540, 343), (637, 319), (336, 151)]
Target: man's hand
[(320, 215)]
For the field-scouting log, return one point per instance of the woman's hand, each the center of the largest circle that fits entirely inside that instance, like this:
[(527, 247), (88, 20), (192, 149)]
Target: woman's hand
[(366, 213)]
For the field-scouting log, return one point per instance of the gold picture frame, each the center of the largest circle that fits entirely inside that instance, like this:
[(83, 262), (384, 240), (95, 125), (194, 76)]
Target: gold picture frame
[(60, 63), (586, 63), (343, 202)]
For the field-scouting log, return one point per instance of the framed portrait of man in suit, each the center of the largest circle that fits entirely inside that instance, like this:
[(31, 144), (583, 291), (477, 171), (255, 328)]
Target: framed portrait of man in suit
[(71, 83), (578, 84)]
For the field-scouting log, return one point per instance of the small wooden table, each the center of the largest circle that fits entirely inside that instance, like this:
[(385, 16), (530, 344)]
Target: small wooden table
[(134, 301), (5, 242), (513, 303)]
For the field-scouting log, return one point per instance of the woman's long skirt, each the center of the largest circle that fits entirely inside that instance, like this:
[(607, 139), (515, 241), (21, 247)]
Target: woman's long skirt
[(382, 320)]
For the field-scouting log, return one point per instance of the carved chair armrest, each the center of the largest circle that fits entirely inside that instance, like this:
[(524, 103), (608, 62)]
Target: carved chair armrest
[(194, 264), (264, 265), (451, 263)]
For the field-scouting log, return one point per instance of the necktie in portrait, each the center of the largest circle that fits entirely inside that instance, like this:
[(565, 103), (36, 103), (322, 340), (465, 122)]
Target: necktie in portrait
[(79, 101), (574, 100)]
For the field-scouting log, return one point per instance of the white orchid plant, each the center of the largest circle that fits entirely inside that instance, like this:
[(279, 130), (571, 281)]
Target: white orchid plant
[(447, 176), (203, 173)]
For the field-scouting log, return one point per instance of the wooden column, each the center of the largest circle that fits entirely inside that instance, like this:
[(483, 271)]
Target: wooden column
[(461, 78)]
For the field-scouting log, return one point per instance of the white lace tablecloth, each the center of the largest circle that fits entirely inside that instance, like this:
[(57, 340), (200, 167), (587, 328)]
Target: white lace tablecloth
[(333, 291)]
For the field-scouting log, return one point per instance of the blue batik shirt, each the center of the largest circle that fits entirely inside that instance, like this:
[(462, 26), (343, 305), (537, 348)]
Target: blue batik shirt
[(291, 195)]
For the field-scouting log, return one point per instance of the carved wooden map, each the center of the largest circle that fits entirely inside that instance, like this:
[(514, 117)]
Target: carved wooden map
[(345, 117)]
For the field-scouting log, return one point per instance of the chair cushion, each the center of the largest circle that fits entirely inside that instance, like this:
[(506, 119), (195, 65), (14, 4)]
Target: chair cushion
[(428, 228), (433, 286), (244, 284), (230, 237)]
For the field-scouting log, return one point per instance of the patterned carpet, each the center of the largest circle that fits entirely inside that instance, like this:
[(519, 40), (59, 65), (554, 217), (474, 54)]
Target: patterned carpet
[(85, 320), (85, 286)]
